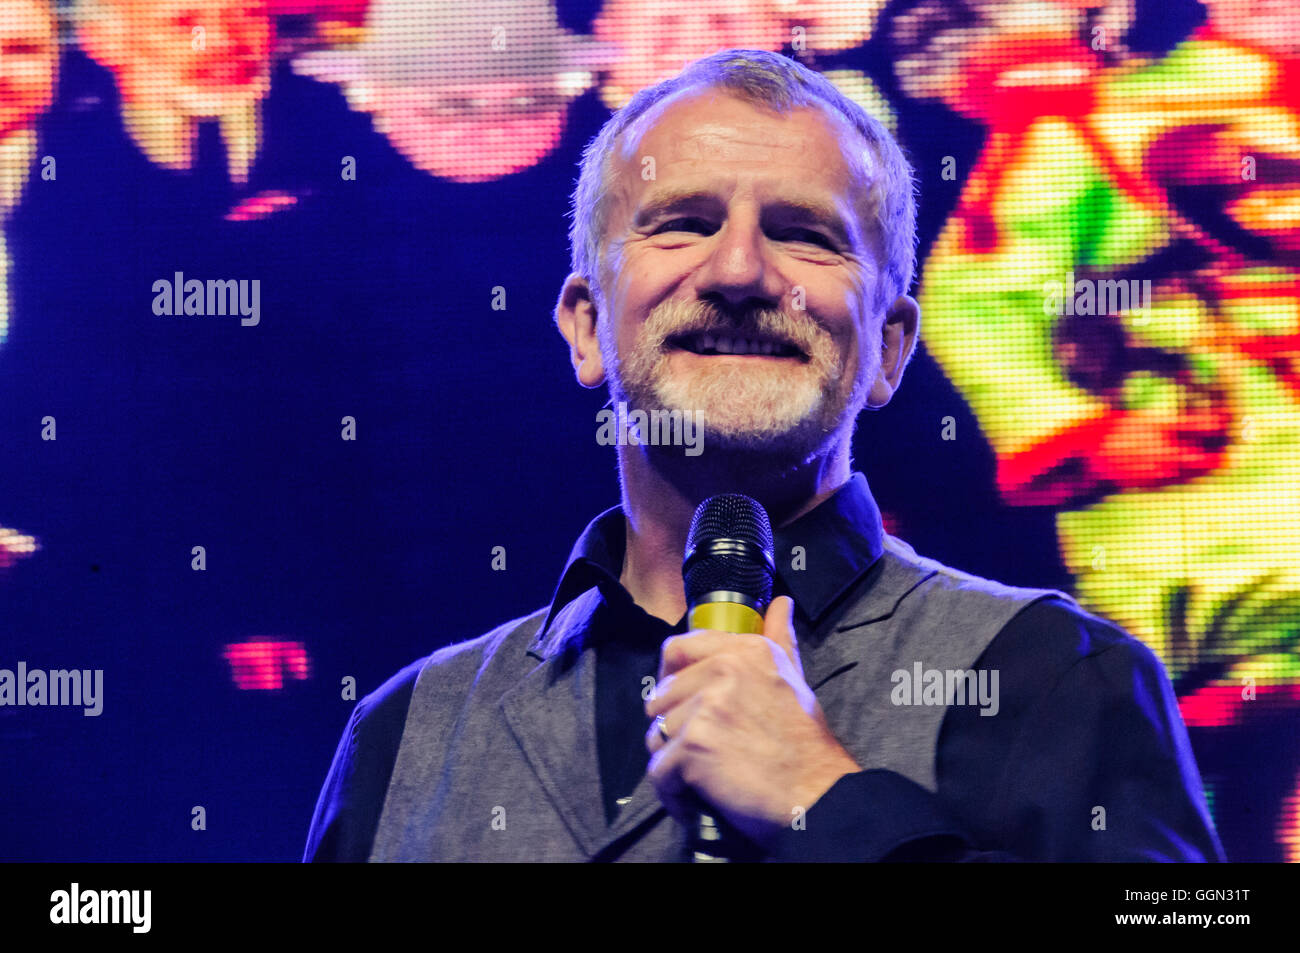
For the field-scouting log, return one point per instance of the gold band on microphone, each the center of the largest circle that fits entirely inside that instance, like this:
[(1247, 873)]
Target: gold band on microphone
[(725, 617)]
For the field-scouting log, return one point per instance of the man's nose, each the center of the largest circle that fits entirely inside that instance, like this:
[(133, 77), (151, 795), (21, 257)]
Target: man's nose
[(740, 267)]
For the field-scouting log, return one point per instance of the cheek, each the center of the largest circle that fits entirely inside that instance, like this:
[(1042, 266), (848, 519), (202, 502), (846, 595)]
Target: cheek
[(32, 92), (160, 68), (837, 328), (255, 40), (624, 299)]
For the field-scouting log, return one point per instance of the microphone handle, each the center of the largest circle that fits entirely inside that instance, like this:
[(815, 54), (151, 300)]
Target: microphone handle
[(711, 846), (707, 836)]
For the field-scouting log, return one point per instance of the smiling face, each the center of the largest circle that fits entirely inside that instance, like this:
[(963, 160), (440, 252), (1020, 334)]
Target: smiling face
[(200, 57), (738, 280)]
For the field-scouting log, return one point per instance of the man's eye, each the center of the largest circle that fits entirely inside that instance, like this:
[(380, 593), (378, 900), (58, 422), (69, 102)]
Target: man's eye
[(685, 225), (807, 235)]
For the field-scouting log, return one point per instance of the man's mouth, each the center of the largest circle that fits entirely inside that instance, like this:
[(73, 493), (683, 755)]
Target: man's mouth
[(709, 344), (237, 71)]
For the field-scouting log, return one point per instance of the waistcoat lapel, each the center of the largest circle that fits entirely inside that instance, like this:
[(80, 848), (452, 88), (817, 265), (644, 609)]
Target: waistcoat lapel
[(552, 715), (836, 653)]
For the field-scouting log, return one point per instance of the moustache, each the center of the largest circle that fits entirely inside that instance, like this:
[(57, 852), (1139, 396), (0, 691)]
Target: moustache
[(673, 328)]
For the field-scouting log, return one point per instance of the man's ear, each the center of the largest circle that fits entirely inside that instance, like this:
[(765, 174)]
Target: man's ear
[(899, 333), (576, 315)]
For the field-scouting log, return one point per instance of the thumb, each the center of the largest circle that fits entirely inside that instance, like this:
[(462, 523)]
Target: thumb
[(778, 625)]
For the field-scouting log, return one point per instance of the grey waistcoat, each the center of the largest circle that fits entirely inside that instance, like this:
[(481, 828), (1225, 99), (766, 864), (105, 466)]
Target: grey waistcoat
[(498, 758)]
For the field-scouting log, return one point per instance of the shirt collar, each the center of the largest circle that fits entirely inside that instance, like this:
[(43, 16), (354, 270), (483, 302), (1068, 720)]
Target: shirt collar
[(168, 137), (818, 557)]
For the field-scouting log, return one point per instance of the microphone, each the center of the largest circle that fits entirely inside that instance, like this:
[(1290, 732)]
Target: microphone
[(728, 570)]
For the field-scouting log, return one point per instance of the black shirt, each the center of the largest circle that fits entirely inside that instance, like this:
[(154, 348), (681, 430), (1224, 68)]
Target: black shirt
[(1098, 724)]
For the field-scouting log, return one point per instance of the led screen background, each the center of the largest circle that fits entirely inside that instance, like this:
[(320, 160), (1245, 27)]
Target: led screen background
[(248, 520)]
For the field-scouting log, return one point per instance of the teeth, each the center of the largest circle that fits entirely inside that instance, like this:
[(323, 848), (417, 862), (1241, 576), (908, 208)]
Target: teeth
[(722, 344)]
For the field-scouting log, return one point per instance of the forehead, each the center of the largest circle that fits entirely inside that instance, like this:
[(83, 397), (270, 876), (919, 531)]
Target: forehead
[(711, 137)]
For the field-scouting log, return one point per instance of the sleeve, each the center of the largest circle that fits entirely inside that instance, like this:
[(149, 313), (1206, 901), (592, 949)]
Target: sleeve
[(352, 798), (333, 835), (1096, 768), (1104, 770), (871, 816)]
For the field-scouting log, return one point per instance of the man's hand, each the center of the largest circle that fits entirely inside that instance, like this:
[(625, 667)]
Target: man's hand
[(746, 733)]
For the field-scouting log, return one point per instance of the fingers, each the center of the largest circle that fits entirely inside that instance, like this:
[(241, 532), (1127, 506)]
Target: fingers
[(682, 651), (669, 764), (665, 773), (778, 625), (672, 722), (672, 690), (657, 732)]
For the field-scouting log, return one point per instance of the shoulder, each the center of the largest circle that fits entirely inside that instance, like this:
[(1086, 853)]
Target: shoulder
[(456, 664), (286, 83), (940, 575), (1073, 635), (952, 596), (1054, 650), (1045, 629), (351, 800), (302, 103), (387, 704)]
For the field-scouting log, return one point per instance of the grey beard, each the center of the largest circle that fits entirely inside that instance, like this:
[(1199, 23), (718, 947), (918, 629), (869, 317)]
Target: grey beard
[(817, 432)]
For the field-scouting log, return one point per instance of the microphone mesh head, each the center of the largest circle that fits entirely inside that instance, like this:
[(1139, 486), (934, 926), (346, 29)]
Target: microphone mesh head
[(729, 548)]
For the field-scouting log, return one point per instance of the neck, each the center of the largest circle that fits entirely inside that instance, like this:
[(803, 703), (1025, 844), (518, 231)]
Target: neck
[(660, 495), (166, 135)]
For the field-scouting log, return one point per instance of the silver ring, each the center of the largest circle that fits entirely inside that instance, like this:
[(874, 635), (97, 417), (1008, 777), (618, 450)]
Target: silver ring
[(659, 723)]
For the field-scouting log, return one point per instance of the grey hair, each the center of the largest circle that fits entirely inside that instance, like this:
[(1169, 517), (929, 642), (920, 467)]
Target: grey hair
[(778, 83)]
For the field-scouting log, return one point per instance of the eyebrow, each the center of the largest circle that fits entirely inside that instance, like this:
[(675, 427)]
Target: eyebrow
[(801, 210)]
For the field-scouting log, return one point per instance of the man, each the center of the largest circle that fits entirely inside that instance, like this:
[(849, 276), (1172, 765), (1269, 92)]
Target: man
[(150, 400), (432, 84), (215, 124), (743, 241), (182, 65), (29, 48)]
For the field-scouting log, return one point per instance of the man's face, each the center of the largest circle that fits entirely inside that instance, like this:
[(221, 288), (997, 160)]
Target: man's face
[(1268, 24), (748, 240), (511, 125), (202, 57), (28, 60)]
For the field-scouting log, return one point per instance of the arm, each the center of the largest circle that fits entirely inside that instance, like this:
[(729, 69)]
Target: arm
[(871, 816), (352, 798), (332, 836), (1108, 738), (1089, 720)]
